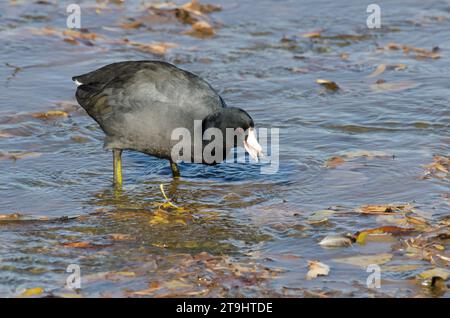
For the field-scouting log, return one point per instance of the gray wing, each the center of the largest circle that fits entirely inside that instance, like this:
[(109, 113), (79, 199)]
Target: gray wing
[(136, 101)]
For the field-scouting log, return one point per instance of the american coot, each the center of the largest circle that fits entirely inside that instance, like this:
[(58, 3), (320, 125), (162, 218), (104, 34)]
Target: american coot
[(138, 104)]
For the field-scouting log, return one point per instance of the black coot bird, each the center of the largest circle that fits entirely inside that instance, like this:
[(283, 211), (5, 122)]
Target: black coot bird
[(138, 104)]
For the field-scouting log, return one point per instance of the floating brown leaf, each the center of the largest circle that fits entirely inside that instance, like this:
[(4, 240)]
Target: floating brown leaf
[(12, 216), (439, 168), (435, 272), (333, 162), (154, 286), (344, 56), (399, 67), (201, 29), (420, 53), (51, 114), (384, 209), (379, 70), (45, 31), (132, 25), (71, 41), (80, 35), (328, 84), (312, 35), (393, 87), (5, 134), (32, 292), (118, 275), (19, 155), (393, 46), (336, 241), (154, 48), (78, 245), (365, 260), (199, 8), (121, 237), (317, 268), (394, 230)]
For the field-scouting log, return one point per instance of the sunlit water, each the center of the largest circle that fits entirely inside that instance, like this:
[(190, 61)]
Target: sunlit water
[(258, 220)]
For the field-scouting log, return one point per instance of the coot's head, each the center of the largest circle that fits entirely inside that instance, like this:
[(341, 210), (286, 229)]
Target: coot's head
[(239, 122)]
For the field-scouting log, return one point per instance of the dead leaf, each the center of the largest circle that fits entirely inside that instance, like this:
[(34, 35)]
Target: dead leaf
[(393, 46), (19, 155), (400, 268), (32, 292), (68, 295), (312, 35), (80, 139), (81, 35), (71, 41), (439, 168), (159, 48), (5, 135), (299, 70), (347, 37), (114, 275), (394, 230), (333, 162), (320, 222), (365, 260), (12, 216), (392, 87), (317, 269), (379, 70), (121, 237), (132, 25), (384, 209), (51, 114), (328, 84), (78, 245), (201, 29), (198, 8), (367, 154), (160, 217), (154, 286), (45, 31), (420, 53), (320, 215), (435, 272), (399, 67), (344, 56), (336, 241)]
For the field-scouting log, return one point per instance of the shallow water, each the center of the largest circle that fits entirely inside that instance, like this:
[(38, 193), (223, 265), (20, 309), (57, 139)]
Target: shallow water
[(255, 228)]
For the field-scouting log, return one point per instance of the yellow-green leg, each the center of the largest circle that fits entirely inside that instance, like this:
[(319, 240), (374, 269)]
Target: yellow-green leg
[(175, 170), (117, 158)]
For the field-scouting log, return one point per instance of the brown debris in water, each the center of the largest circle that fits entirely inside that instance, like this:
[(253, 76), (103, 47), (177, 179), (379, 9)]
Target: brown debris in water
[(207, 275), (158, 48), (192, 13), (201, 29), (418, 53), (51, 114), (384, 209), (336, 161), (332, 86), (317, 268), (439, 168), (19, 155)]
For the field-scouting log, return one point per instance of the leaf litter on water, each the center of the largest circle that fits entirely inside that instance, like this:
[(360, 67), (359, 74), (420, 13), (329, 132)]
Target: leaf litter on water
[(365, 260), (317, 268)]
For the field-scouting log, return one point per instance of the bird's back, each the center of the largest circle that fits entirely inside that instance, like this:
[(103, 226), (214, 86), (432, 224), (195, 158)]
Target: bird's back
[(139, 103)]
